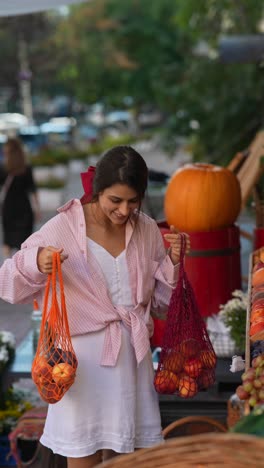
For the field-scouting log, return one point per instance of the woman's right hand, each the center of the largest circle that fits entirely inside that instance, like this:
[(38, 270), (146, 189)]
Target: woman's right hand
[(44, 258)]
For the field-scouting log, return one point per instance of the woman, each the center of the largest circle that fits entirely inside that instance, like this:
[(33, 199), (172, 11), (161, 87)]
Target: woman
[(116, 275), (18, 186)]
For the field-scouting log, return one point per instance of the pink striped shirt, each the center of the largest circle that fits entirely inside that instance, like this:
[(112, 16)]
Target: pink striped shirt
[(152, 278)]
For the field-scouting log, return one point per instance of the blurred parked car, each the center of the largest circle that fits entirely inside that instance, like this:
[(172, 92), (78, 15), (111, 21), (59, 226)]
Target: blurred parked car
[(11, 122), (96, 115), (118, 116), (32, 138), (59, 130), (85, 135), (148, 117)]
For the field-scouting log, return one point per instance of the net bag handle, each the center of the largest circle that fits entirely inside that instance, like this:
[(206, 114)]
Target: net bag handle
[(181, 259), (51, 314)]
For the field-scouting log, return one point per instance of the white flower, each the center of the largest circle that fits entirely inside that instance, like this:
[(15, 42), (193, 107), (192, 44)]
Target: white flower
[(239, 301), (8, 338), (4, 355), (7, 346)]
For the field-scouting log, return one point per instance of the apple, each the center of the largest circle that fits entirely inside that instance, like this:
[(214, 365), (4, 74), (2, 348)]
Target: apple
[(41, 372), (247, 386), (173, 362), (257, 384), (63, 373), (166, 382), (241, 393), (248, 375), (258, 361), (208, 358), (261, 378), (190, 348), (51, 393), (193, 367), (206, 378), (40, 361), (187, 387), (252, 401)]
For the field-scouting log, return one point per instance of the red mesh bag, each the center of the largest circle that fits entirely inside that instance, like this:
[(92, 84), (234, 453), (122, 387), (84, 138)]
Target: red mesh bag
[(55, 363), (187, 359)]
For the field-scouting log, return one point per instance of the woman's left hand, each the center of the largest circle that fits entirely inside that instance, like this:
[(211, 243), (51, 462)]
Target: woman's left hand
[(174, 238)]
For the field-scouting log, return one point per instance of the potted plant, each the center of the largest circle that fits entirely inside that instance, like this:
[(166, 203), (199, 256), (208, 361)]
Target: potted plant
[(227, 329), (7, 353), (234, 316)]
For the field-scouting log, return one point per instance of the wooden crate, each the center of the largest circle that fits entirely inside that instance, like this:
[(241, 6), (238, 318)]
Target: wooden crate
[(247, 350), (260, 336), (253, 258)]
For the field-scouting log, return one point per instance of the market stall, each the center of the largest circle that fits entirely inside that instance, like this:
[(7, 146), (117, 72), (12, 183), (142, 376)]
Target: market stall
[(251, 389)]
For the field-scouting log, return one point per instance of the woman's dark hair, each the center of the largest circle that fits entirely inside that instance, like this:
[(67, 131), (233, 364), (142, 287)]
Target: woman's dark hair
[(15, 159), (121, 165)]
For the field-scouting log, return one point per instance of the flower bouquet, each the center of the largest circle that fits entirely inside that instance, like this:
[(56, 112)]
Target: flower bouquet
[(7, 349), (227, 329)]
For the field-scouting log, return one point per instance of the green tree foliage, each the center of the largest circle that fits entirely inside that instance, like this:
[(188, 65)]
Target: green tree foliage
[(112, 48), (226, 100), (162, 52), (152, 51)]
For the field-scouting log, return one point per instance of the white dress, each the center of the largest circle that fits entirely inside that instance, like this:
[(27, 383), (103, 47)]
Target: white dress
[(107, 407)]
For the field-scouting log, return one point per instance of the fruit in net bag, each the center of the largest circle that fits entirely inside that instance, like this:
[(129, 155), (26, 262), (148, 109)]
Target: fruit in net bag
[(63, 373), (186, 350), (193, 367), (166, 382), (187, 387), (174, 362), (190, 348), (54, 367)]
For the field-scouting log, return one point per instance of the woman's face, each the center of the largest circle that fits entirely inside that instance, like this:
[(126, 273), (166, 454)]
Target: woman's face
[(118, 203)]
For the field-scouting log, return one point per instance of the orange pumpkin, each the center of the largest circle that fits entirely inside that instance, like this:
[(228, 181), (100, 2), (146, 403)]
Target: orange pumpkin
[(202, 197)]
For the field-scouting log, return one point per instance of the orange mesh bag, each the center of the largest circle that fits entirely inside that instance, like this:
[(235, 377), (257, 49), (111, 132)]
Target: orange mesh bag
[(55, 363), (187, 359)]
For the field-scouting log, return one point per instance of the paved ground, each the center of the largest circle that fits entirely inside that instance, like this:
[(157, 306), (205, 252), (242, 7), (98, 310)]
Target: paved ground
[(16, 318)]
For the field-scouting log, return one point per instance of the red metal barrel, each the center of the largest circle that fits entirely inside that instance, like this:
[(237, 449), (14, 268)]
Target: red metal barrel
[(213, 267)]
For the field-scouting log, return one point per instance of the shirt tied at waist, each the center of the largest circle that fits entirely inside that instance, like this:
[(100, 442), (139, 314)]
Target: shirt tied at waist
[(133, 319)]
